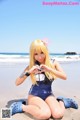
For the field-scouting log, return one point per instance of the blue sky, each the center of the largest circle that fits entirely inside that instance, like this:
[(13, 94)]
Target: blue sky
[(22, 21)]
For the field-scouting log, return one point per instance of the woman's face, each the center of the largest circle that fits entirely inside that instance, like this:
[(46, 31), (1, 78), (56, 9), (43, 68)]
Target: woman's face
[(39, 56)]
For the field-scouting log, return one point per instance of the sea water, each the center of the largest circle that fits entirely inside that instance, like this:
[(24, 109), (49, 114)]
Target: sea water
[(24, 57)]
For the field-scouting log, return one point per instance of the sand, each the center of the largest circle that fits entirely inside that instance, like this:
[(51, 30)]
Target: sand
[(10, 93)]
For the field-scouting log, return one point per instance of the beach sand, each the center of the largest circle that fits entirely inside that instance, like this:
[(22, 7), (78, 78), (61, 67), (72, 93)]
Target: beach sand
[(10, 93)]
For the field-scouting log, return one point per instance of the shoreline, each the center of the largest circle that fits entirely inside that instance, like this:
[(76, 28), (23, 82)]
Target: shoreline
[(26, 59)]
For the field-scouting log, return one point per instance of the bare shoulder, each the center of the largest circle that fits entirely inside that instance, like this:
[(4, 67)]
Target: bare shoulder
[(56, 64)]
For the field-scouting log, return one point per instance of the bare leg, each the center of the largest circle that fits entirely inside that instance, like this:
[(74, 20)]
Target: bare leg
[(62, 105), (37, 107), (57, 108)]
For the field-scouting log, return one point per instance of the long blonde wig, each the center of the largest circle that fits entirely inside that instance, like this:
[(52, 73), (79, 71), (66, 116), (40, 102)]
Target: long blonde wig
[(40, 46)]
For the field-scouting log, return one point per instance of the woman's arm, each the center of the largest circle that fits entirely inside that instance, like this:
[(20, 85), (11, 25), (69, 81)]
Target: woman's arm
[(58, 71), (22, 77), (26, 73)]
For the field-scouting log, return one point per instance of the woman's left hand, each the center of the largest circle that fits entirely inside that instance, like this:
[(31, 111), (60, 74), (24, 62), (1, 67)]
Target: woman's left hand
[(44, 68)]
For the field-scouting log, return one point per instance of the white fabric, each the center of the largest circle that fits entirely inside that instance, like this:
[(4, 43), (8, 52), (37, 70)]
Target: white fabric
[(40, 77)]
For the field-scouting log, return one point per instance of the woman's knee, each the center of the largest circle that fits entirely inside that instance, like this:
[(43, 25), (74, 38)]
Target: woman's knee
[(45, 114), (57, 114)]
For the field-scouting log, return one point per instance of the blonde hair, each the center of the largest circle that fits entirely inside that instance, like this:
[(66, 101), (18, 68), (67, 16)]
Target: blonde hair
[(39, 45)]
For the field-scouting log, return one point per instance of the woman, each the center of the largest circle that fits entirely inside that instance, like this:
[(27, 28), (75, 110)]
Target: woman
[(41, 101)]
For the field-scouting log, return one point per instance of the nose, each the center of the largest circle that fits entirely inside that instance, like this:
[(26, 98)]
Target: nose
[(39, 57)]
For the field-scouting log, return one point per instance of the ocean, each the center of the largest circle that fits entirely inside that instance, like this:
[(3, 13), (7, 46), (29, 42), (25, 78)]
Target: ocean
[(24, 57)]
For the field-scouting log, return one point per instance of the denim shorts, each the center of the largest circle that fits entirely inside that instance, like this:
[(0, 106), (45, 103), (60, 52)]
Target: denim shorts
[(41, 90)]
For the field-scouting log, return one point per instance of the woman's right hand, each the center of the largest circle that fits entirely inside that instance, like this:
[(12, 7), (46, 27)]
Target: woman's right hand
[(34, 69)]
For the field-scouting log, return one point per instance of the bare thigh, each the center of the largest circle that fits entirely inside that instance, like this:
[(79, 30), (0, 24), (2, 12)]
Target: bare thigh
[(38, 107), (37, 101), (57, 108)]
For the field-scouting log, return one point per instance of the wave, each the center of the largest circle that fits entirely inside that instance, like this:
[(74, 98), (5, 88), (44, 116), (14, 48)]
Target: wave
[(12, 58)]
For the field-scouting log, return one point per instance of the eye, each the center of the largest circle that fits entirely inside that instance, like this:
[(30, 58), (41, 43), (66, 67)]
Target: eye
[(42, 52), (36, 54)]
